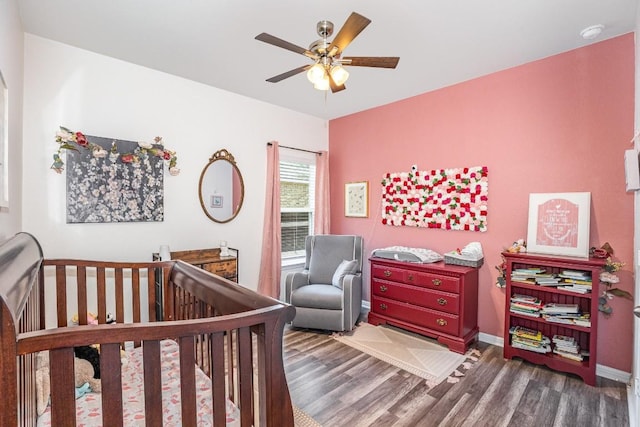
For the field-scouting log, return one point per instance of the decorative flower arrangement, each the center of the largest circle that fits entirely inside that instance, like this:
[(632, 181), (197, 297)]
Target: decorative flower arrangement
[(609, 278), (519, 246), (70, 140), (450, 199)]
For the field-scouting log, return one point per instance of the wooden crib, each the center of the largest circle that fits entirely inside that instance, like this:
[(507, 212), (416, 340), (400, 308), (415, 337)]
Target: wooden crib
[(232, 334)]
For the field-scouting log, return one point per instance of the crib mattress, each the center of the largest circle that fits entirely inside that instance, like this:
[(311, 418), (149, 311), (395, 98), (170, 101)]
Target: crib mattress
[(89, 406)]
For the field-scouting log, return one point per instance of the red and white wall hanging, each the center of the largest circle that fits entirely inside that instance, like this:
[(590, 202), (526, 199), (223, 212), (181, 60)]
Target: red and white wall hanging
[(449, 199)]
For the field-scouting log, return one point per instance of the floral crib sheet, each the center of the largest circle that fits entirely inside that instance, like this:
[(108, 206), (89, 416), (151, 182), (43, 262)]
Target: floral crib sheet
[(89, 406)]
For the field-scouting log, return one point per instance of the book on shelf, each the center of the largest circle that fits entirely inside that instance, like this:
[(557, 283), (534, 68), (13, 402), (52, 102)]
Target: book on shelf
[(542, 348), (579, 289), (573, 274), (521, 312), (550, 281), (571, 356), (530, 270), (578, 282), (584, 320), (523, 332), (560, 308), (524, 298)]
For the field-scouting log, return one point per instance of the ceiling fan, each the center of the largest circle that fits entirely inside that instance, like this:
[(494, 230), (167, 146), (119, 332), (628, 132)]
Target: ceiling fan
[(327, 71)]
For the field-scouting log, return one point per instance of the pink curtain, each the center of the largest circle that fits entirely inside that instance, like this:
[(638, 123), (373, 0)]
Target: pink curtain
[(270, 264), (322, 218)]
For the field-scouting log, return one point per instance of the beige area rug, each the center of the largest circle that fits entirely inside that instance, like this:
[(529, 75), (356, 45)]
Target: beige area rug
[(302, 419), (420, 356)]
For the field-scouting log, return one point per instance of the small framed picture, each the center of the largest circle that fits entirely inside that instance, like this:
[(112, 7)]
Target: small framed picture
[(216, 201), (356, 199), (559, 224)]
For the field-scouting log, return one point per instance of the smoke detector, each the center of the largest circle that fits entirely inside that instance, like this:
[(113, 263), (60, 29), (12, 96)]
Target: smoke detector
[(592, 32)]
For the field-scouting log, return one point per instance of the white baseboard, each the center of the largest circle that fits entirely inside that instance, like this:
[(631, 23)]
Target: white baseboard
[(491, 339), (601, 370)]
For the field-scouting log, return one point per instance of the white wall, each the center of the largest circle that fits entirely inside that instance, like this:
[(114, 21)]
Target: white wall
[(98, 95), (11, 66)]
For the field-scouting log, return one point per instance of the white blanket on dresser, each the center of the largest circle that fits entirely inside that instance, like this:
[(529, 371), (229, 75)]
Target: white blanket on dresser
[(403, 253), (89, 406)]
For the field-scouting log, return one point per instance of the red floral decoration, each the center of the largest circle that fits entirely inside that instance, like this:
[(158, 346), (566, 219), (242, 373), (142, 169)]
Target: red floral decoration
[(450, 199)]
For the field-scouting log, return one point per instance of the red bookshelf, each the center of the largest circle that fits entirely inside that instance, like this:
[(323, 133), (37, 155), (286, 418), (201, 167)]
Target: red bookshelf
[(586, 337)]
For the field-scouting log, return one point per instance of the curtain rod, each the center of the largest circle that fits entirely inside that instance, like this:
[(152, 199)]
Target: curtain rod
[(298, 149)]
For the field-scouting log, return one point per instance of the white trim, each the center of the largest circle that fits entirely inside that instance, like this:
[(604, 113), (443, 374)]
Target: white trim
[(634, 411), (613, 374), (491, 339)]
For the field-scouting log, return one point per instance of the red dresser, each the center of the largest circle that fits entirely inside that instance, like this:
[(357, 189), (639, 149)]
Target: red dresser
[(436, 300)]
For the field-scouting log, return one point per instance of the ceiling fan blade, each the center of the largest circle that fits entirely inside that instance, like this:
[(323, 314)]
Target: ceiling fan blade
[(273, 40), (371, 61), (279, 77), (334, 87), (352, 27)]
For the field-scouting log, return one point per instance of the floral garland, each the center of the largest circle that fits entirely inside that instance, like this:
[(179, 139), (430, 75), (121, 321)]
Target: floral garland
[(69, 140), (450, 199)]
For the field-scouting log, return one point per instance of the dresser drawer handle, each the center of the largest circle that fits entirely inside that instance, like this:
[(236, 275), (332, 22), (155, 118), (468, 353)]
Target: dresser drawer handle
[(387, 273), (383, 306), (441, 322), (410, 277), (436, 282), (383, 288), (442, 301)]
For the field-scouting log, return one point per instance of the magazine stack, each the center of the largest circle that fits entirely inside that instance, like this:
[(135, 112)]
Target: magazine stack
[(567, 347), (529, 339), (576, 281), (525, 305)]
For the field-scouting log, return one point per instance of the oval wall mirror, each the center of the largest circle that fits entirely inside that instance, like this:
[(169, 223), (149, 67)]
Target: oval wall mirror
[(221, 188)]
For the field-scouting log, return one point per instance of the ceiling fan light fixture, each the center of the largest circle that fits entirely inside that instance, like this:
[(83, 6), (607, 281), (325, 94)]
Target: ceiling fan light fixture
[(322, 84), (339, 74), (316, 74)]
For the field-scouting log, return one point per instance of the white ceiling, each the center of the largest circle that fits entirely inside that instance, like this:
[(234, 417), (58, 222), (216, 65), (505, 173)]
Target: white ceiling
[(439, 42)]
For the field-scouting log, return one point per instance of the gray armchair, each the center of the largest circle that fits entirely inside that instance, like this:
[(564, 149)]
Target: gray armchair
[(327, 294)]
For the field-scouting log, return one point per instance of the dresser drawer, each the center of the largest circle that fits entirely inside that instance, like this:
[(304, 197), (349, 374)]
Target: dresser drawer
[(388, 273), (439, 283), (441, 301), (226, 269), (420, 316)]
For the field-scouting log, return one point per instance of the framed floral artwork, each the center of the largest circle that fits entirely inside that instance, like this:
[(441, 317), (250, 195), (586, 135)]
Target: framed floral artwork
[(112, 186), (559, 224), (356, 199)]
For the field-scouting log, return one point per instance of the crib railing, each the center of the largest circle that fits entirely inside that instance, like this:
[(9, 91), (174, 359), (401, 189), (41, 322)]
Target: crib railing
[(233, 334)]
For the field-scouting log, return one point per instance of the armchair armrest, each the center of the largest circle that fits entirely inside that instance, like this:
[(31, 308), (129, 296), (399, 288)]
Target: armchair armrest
[(352, 293), (294, 281)]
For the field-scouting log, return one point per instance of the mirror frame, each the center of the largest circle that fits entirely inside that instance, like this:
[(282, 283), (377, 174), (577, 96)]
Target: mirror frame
[(221, 155)]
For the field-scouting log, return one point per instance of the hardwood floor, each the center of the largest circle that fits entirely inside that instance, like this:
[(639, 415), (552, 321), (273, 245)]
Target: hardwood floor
[(340, 386)]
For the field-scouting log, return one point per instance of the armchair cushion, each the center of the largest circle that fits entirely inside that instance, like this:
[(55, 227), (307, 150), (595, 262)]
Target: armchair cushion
[(345, 267), (318, 296), (328, 252)]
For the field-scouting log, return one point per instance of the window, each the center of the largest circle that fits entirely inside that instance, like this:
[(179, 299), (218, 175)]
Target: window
[(297, 195)]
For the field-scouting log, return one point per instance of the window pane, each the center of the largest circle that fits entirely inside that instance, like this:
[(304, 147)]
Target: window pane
[(297, 186), (295, 228)]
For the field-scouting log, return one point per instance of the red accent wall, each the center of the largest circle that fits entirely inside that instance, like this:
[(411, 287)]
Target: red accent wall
[(560, 124)]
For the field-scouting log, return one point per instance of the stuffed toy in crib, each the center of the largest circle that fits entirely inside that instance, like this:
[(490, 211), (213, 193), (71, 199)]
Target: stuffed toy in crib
[(84, 380)]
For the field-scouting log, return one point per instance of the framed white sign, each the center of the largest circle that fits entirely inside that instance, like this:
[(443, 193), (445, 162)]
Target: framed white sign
[(559, 224)]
